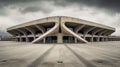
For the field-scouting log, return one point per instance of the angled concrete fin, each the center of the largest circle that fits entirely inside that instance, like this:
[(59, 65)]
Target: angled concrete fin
[(63, 26), (46, 33)]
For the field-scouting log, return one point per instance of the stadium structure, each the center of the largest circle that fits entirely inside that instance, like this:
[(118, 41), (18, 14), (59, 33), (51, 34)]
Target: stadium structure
[(62, 29)]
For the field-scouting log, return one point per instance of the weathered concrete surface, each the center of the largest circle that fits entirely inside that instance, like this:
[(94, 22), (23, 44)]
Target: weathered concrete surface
[(98, 54)]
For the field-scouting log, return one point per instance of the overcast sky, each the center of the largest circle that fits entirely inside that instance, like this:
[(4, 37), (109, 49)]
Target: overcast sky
[(13, 12)]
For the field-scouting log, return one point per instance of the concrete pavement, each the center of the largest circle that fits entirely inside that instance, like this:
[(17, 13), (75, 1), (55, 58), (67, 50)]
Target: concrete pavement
[(21, 54)]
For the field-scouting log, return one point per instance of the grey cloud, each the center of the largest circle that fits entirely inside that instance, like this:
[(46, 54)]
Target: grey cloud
[(23, 5), (110, 5), (30, 9), (35, 9)]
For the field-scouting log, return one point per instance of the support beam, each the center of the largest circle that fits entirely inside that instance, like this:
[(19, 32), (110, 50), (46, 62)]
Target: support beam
[(88, 30), (31, 30), (15, 31), (108, 33), (79, 28), (96, 31), (40, 28), (67, 30), (55, 27), (24, 32), (100, 33)]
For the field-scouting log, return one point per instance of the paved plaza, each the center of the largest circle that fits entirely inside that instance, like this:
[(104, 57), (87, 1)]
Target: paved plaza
[(25, 54)]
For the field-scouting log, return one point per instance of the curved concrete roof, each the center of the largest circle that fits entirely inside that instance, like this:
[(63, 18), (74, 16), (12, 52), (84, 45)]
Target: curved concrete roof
[(63, 19)]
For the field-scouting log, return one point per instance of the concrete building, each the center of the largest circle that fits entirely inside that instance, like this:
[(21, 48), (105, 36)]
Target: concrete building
[(61, 29)]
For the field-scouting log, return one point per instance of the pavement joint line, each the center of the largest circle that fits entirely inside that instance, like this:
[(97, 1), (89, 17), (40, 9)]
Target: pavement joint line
[(39, 59), (83, 60)]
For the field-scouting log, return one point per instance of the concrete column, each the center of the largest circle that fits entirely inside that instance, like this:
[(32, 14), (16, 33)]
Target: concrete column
[(88, 30), (98, 39), (75, 40), (20, 39), (102, 38), (84, 37), (17, 33), (91, 39), (22, 31), (27, 40), (107, 39), (44, 40), (60, 38)]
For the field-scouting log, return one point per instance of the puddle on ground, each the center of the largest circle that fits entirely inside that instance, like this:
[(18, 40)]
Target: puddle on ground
[(60, 62), (48, 64), (11, 61), (104, 63)]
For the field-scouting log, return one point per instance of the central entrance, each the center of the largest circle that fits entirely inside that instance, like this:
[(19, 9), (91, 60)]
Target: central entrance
[(51, 39), (68, 39)]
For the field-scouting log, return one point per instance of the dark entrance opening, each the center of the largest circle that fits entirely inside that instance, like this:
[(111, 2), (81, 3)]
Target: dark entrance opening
[(23, 40), (31, 39), (68, 39), (51, 39), (88, 39), (100, 38), (94, 39), (18, 39)]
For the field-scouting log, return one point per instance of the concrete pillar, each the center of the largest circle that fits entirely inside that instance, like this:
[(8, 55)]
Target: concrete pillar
[(102, 38), (84, 37), (27, 40), (75, 40), (22, 31), (105, 39), (98, 39), (20, 39), (60, 38), (44, 40), (91, 39)]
